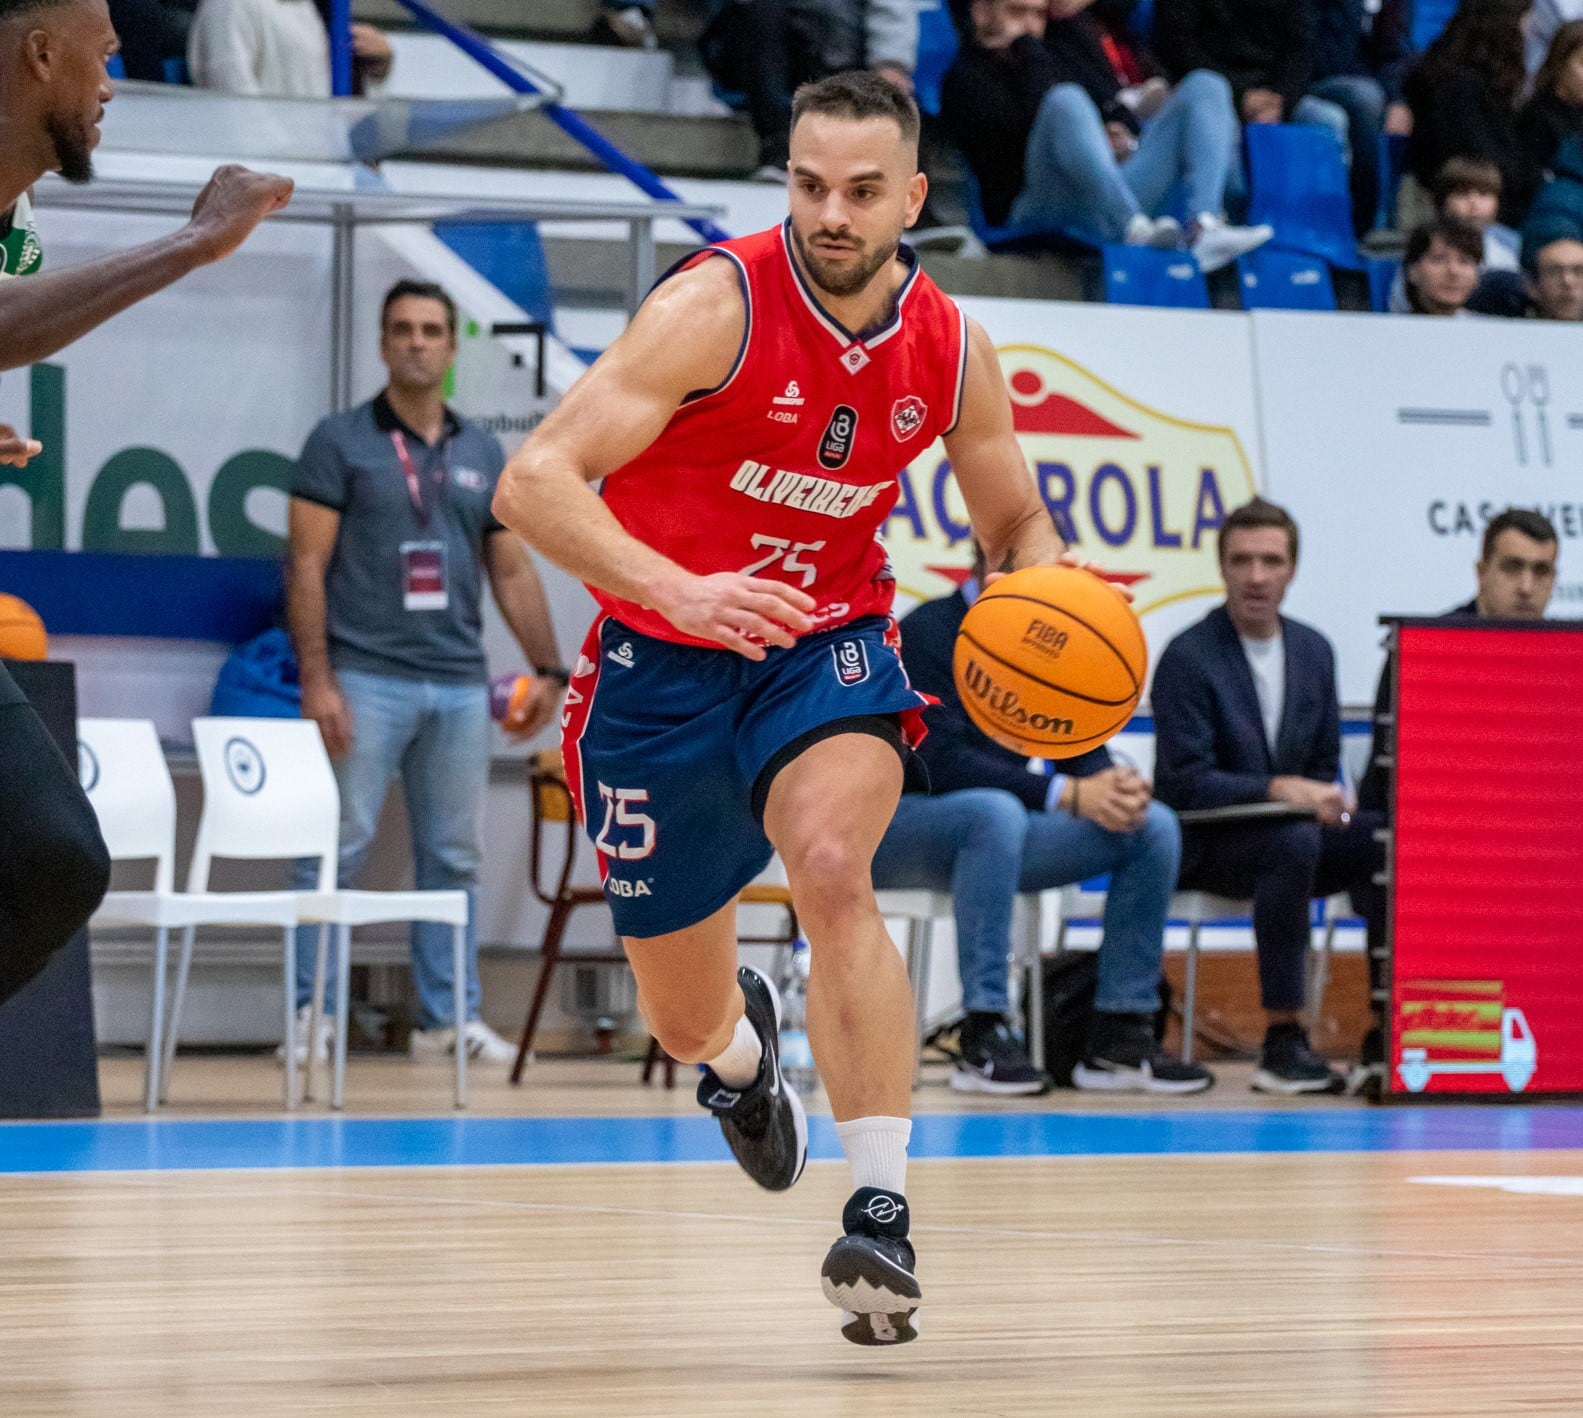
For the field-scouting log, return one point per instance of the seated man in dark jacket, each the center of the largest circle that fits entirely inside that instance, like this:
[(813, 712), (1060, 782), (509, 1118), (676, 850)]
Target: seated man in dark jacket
[(1245, 712), (1035, 104), (976, 822)]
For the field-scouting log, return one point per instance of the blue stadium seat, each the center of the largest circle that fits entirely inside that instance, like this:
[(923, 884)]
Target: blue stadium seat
[(1429, 18), (1382, 276), (115, 67), (1140, 275), (1284, 280), (511, 258), (1298, 183), (1393, 165), (1015, 236), (937, 45)]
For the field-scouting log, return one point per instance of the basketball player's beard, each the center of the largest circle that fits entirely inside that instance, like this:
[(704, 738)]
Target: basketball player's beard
[(73, 143), (831, 279)]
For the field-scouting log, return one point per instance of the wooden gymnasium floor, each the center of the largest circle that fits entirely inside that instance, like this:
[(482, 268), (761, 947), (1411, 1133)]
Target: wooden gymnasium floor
[(577, 1247)]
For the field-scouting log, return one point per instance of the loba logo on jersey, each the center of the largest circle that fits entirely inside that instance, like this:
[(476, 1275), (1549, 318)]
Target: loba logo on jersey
[(907, 416), (626, 889), (804, 491), (836, 445)]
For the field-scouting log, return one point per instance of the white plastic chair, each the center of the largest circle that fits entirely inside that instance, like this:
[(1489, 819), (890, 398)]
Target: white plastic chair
[(920, 909), (269, 792), (123, 771)]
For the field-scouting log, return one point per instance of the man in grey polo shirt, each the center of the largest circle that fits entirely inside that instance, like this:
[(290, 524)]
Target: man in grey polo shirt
[(390, 535)]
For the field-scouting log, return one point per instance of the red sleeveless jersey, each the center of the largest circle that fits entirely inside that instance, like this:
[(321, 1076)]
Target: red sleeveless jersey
[(789, 468)]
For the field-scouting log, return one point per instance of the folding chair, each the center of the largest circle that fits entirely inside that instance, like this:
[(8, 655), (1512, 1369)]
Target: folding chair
[(269, 793), (1299, 184), (123, 771), (1140, 275)]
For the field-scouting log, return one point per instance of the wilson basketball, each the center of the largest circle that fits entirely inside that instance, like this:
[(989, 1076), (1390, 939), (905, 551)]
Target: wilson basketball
[(1050, 661), (22, 634)]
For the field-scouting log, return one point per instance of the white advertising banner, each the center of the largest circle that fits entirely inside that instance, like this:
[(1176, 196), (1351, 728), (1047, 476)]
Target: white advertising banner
[(1392, 440), (1140, 428)]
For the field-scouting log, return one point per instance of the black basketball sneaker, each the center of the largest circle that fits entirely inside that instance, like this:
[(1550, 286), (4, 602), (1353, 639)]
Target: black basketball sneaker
[(868, 1273), (764, 1123)]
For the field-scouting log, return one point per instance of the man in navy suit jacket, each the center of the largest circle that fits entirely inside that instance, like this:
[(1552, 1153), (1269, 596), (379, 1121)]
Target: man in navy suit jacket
[(1245, 712), (974, 821)]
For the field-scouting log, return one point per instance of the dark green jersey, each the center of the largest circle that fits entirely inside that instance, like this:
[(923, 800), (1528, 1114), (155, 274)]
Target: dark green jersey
[(20, 252)]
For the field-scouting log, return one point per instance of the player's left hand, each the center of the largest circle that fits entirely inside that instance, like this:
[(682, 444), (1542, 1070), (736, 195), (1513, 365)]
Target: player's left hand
[(537, 710), (16, 450)]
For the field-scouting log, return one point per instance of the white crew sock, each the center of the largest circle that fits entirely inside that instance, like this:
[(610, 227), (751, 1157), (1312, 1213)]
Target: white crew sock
[(876, 1150), (738, 1066)]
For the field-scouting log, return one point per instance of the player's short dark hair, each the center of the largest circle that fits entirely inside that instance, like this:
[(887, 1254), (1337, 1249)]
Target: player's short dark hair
[(1260, 513), (1459, 175), (858, 94), (11, 9), (425, 290), (1518, 519)]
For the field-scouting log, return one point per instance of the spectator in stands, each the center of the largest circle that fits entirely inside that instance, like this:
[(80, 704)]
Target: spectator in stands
[(1550, 286), (1440, 271), (1036, 106), (763, 49), (1546, 17), (1468, 190), (1516, 572), (1245, 713), (1464, 92), (278, 48), (389, 534), (976, 822), (1361, 55), (1554, 111), (1265, 48), (152, 33)]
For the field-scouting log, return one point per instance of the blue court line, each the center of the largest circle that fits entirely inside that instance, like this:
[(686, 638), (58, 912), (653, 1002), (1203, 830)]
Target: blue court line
[(162, 1145)]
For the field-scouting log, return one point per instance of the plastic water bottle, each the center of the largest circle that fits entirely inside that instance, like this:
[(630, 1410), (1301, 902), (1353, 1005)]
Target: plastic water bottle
[(797, 1065)]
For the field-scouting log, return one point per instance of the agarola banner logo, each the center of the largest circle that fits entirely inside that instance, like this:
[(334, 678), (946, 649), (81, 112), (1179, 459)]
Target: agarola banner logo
[(1132, 487)]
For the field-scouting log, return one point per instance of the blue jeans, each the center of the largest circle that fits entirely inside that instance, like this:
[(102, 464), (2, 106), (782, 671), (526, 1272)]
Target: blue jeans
[(984, 846), (436, 737), (1071, 180), (1361, 102)]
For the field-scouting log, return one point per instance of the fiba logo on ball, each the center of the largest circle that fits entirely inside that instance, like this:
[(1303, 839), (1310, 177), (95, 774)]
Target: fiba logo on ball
[(244, 766), (851, 662)]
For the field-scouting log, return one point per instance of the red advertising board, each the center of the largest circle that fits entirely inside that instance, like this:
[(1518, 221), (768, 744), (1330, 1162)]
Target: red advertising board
[(1487, 861)]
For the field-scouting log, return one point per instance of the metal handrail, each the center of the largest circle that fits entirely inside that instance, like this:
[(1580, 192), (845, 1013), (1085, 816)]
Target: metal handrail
[(479, 49)]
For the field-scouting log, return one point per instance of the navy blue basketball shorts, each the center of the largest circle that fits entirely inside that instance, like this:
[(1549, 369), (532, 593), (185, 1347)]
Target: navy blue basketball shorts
[(666, 746)]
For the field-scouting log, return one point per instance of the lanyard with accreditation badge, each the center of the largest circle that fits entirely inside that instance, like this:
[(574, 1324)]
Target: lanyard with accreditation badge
[(424, 586)]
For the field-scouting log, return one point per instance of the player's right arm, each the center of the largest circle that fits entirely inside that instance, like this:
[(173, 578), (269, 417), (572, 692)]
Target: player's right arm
[(684, 338), (46, 312)]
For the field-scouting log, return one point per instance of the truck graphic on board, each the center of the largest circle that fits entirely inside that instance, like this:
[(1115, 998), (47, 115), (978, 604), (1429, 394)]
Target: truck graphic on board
[(1464, 1027)]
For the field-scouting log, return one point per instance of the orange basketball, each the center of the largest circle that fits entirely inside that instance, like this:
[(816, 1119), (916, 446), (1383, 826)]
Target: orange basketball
[(1050, 661), (22, 634)]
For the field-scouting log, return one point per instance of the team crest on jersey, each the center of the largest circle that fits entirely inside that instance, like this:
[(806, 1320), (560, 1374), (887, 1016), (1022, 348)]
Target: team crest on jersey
[(851, 661), (836, 445), (907, 417)]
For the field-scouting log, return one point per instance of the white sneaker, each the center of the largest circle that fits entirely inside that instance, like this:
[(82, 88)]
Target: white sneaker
[(483, 1045), (769, 173), (1162, 233), (299, 1037), (633, 27), (1215, 244)]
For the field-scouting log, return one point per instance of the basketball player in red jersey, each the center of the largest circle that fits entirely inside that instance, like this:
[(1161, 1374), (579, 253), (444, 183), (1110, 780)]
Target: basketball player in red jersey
[(742, 688)]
